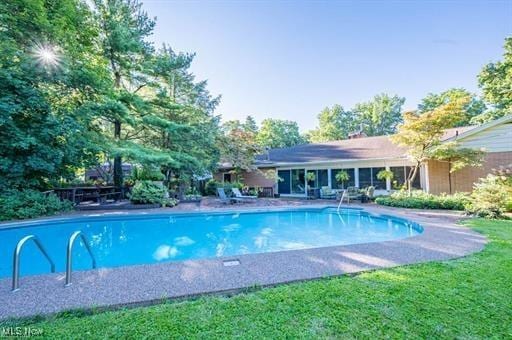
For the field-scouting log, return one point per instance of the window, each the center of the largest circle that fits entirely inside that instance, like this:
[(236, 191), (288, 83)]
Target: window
[(400, 174), (298, 181), (284, 186), (365, 177), (321, 179), (416, 183), (378, 183), (350, 183), (398, 177), (227, 178), (368, 177)]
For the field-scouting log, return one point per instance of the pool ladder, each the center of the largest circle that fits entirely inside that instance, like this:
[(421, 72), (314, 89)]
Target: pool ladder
[(69, 257)]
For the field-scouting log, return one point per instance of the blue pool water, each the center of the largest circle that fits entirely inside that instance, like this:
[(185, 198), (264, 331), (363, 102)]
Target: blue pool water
[(144, 239)]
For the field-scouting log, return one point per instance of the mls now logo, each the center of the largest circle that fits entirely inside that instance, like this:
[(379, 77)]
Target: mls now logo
[(20, 331)]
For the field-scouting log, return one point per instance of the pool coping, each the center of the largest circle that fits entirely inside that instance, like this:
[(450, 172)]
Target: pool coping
[(441, 239)]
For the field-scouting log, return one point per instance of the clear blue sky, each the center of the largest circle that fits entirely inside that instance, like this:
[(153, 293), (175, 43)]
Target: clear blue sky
[(290, 59)]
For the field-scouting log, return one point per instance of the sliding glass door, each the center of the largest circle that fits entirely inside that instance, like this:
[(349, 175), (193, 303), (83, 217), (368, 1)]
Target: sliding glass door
[(284, 182)]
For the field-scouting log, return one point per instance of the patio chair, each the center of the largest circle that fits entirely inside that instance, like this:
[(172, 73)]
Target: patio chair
[(353, 193), (327, 193), (224, 198), (238, 194), (370, 192)]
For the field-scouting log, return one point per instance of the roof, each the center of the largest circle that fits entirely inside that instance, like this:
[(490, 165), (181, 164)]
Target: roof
[(477, 129), (378, 147)]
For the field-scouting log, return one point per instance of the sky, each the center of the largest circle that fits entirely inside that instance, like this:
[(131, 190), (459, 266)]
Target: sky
[(291, 59)]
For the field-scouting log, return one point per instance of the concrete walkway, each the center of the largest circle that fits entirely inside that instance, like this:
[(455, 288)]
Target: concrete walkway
[(147, 284)]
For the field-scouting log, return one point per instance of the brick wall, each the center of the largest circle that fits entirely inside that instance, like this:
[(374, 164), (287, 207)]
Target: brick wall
[(462, 180), (253, 178)]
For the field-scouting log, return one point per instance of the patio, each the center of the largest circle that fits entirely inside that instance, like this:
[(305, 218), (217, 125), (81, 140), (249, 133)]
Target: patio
[(148, 284)]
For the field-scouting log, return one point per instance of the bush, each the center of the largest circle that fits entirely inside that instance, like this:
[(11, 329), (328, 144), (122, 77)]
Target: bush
[(148, 192), (146, 173), (491, 196), (24, 204), (423, 200), (210, 188)]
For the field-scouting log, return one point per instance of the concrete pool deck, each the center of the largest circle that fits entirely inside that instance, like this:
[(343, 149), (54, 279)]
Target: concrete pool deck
[(441, 239)]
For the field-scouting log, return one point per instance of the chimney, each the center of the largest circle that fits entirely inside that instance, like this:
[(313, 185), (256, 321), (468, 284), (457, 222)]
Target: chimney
[(267, 153), (356, 135)]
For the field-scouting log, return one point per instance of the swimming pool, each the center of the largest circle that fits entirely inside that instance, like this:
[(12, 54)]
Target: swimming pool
[(155, 238)]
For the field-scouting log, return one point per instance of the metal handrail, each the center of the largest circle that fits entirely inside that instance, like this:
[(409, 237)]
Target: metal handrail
[(16, 259), (69, 257), (341, 200)]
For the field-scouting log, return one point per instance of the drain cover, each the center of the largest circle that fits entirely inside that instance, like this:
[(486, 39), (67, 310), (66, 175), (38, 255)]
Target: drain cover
[(230, 263)]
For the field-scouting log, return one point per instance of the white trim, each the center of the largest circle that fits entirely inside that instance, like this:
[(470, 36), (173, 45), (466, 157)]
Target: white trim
[(356, 177), (492, 123), (427, 180), (388, 181), (329, 162)]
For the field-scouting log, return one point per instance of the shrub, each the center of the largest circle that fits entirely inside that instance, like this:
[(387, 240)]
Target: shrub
[(24, 204), (210, 188), (422, 200), (491, 196), (148, 192), (146, 173)]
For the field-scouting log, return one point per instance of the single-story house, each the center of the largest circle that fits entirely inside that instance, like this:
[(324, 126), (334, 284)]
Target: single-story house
[(363, 157)]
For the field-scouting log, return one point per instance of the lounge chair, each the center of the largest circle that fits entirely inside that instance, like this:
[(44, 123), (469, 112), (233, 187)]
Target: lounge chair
[(224, 198), (352, 193), (238, 194), (327, 193)]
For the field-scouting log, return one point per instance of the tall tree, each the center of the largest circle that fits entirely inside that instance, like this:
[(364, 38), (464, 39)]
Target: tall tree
[(333, 124), (250, 125), (48, 74), (277, 133), (181, 123), (238, 146), (473, 108), (421, 134), (379, 116), (125, 28), (495, 80)]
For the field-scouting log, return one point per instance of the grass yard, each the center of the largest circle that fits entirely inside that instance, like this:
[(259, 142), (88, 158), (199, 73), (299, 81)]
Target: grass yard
[(465, 298)]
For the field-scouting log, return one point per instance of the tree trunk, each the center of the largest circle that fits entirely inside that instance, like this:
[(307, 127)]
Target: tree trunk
[(118, 165), (118, 162), (411, 178), (450, 174)]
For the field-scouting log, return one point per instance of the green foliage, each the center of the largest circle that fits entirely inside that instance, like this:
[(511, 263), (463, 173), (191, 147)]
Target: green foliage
[(421, 134), (342, 176), (25, 204), (473, 108), (109, 96), (146, 173), (333, 124), (148, 192), (277, 133), (379, 116), (210, 188), (422, 200), (495, 80), (310, 176), (238, 146), (492, 195), (385, 174)]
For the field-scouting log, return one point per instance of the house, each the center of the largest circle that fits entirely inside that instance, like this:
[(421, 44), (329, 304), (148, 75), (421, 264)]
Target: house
[(363, 157)]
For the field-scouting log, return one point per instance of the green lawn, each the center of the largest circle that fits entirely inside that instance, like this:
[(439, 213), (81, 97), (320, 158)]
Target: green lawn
[(465, 298)]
